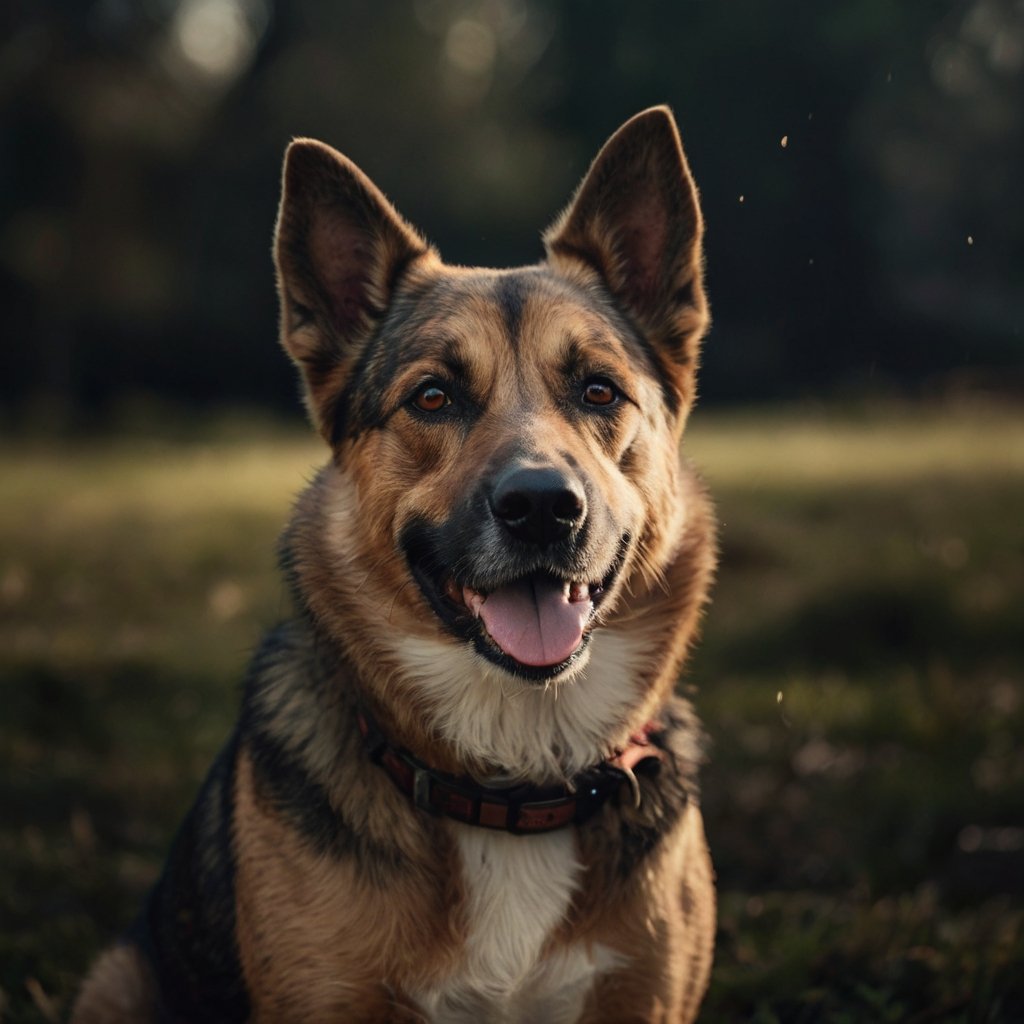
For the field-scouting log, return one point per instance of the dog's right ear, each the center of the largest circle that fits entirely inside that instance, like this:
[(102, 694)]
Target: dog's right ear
[(339, 248), (636, 221)]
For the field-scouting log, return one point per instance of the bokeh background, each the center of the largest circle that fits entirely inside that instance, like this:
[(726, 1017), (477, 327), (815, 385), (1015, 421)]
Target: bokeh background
[(860, 165)]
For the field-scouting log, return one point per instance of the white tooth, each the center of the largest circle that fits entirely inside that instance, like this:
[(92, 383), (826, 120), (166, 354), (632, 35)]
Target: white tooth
[(473, 600)]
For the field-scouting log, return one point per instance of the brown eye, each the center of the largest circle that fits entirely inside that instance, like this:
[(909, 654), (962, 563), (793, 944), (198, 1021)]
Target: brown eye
[(599, 392), (431, 399)]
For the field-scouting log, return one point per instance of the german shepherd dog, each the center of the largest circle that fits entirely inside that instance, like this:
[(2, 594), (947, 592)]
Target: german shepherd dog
[(461, 787)]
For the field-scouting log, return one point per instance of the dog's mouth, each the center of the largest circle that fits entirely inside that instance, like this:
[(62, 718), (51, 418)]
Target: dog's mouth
[(538, 621), (534, 626)]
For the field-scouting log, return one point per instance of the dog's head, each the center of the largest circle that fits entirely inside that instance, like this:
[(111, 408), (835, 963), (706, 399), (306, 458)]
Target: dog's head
[(505, 443)]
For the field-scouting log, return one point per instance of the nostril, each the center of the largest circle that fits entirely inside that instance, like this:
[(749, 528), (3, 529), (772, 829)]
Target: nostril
[(567, 507), (512, 506)]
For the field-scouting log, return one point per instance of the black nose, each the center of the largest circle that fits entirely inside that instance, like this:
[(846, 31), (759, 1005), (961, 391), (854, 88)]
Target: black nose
[(538, 505)]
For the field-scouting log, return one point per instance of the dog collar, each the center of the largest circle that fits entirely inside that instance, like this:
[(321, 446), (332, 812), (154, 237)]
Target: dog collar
[(521, 809)]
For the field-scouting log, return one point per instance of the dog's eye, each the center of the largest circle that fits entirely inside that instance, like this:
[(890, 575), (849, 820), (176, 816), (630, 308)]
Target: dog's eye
[(599, 392), (431, 399)]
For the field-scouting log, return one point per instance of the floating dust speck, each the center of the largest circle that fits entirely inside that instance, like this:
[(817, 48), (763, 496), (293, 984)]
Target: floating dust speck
[(970, 239), (785, 141), (742, 198), (783, 717)]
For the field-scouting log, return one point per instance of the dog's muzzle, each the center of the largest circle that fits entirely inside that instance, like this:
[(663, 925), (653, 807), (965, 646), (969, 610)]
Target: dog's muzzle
[(521, 567)]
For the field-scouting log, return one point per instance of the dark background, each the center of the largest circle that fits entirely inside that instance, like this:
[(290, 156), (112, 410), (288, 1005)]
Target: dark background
[(861, 673), (880, 249)]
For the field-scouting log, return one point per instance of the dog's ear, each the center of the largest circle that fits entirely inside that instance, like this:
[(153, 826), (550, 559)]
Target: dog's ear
[(635, 219), (339, 249)]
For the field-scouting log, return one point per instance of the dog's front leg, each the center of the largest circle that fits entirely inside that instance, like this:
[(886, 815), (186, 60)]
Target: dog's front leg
[(665, 939)]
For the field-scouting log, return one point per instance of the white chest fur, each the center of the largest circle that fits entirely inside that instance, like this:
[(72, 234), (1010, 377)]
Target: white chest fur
[(553, 730), (519, 889)]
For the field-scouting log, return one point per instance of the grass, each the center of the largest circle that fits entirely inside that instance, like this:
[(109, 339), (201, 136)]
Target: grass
[(861, 677)]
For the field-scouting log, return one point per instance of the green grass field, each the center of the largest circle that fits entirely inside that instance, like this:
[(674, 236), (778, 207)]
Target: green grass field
[(861, 677)]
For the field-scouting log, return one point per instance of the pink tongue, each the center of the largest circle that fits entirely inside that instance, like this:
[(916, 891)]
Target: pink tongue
[(534, 621)]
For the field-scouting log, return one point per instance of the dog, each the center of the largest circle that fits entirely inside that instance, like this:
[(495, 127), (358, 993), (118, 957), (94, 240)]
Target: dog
[(461, 787)]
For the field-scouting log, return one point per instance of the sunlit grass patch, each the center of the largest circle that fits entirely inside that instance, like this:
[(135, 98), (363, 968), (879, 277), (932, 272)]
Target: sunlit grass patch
[(820, 447)]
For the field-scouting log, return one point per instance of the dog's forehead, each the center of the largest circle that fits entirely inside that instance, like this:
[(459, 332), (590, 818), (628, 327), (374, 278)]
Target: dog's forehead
[(480, 327), (529, 313)]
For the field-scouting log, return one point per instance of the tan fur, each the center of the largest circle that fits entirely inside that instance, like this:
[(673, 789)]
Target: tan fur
[(347, 902), (317, 943), (659, 990)]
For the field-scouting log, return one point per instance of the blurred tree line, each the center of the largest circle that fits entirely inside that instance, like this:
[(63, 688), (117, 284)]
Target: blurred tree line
[(860, 163)]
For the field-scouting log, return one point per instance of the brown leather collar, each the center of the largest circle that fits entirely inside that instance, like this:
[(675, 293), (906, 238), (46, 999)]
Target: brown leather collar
[(521, 809)]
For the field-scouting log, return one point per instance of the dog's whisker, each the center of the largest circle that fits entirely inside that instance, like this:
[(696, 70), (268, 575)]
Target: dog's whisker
[(370, 572), (394, 600), (518, 692)]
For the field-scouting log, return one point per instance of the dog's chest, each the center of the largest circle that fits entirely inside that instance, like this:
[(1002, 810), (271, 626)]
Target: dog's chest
[(518, 889)]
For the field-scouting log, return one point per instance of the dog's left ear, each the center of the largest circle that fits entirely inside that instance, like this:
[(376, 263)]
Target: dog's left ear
[(636, 220), (340, 248)]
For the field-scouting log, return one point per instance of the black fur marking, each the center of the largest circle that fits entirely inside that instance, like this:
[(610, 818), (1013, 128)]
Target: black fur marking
[(358, 407), (281, 777), (628, 462), (664, 797), (301, 316), (573, 362), (626, 836), (293, 793), (399, 338), (454, 362), (684, 295), (647, 351), (187, 927), (651, 352), (510, 293)]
